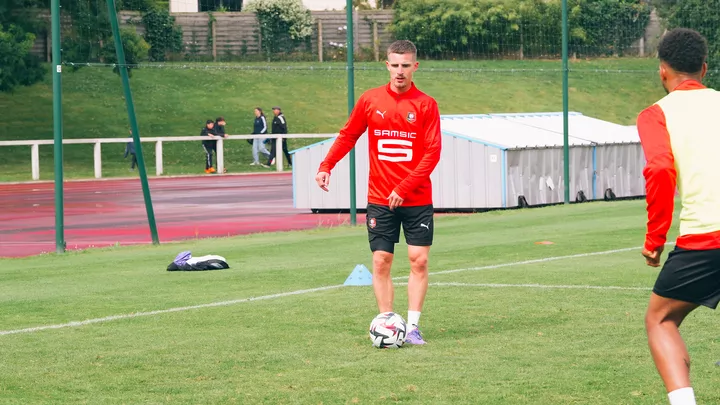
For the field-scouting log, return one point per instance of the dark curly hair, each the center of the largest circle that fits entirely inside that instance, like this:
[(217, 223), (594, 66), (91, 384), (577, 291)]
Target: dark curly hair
[(685, 50)]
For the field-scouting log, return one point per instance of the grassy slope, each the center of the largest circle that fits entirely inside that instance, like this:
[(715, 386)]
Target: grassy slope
[(175, 101), (507, 345)]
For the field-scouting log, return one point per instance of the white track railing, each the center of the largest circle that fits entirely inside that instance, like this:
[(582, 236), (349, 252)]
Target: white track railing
[(97, 155)]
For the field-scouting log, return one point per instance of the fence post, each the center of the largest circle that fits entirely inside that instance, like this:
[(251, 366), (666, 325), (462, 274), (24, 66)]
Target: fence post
[(130, 107), (98, 160), (158, 158), (642, 46), (220, 157), (60, 244), (320, 41), (259, 39), (214, 39), (48, 46), (565, 91), (355, 37), (351, 104), (35, 161), (279, 154), (376, 43)]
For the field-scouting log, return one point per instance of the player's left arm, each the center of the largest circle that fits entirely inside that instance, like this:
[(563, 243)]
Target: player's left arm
[(660, 176), (431, 154)]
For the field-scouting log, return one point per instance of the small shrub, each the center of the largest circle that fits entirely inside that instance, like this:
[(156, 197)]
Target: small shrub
[(135, 48)]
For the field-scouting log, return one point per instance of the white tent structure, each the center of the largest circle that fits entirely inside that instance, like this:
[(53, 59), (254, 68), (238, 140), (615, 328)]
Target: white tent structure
[(498, 161)]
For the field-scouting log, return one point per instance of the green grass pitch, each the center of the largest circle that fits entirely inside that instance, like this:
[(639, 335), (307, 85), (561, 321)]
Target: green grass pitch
[(557, 330)]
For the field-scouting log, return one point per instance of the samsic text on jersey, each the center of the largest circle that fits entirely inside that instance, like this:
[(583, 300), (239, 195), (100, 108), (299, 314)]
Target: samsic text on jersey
[(404, 143)]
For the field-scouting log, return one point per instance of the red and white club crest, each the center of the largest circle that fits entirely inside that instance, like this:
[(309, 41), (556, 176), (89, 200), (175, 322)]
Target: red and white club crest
[(411, 117), (372, 223)]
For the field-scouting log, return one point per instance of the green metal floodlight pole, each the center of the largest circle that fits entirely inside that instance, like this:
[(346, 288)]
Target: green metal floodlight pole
[(351, 104), (120, 52), (57, 127), (566, 141)]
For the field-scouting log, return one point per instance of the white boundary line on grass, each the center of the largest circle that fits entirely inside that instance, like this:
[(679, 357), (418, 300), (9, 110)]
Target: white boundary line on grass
[(541, 286), (332, 287), (533, 261), (166, 311)]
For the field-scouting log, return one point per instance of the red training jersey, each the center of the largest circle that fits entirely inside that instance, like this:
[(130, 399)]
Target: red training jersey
[(404, 143), (680, 136)]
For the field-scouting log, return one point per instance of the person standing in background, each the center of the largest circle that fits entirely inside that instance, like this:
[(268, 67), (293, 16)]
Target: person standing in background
[(220, 127), (258, 144), (279, 126), (209, 145), (130, 150), (220, 131)]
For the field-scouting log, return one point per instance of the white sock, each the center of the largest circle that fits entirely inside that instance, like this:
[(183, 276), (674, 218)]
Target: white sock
[(682, 396), (413, 319)]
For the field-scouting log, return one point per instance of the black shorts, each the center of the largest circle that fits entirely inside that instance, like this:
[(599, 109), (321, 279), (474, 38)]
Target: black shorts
[(384, 226), (691, 276)]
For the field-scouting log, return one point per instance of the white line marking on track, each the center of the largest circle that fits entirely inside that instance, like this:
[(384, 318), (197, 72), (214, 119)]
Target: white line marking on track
[(311, 290)]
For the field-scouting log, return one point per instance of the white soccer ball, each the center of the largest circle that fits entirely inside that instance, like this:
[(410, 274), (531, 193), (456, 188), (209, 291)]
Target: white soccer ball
[(387, 331)]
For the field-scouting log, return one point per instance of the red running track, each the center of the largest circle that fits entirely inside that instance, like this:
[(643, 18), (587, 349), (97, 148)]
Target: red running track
[(103, 213)]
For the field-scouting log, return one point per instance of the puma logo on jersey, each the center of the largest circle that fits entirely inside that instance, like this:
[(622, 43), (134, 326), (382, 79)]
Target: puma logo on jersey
[(382, 114), (425, 226)]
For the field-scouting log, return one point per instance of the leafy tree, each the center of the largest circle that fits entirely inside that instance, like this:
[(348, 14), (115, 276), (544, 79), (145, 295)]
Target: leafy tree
[(162, 34), (703, 16), (607, 27), (488, 28), (457, 28), (17, 66), (284, 24)]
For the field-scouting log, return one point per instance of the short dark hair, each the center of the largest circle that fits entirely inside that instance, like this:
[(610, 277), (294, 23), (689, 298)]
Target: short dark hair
[(402, 46), (219, 119), (685, 50)]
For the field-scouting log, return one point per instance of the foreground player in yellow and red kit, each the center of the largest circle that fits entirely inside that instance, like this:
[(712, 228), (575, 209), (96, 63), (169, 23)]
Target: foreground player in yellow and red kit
[(680, 135), (403, 126)]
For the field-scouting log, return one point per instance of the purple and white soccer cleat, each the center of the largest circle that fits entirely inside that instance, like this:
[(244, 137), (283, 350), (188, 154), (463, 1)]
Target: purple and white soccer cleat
[(414, 337)]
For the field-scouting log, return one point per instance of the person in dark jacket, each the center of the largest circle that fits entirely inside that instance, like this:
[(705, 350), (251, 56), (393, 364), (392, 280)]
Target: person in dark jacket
[(220, 127), (209, 145), (259, 127), (220, 132), (279, 126), (130, 150)]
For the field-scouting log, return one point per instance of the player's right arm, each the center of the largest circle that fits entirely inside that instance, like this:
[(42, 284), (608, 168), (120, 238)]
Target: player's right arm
[(660, 176), (346, 140)]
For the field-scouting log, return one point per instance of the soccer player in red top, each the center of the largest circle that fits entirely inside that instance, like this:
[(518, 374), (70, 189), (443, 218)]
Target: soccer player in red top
[(403, 126), (680, 136)]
